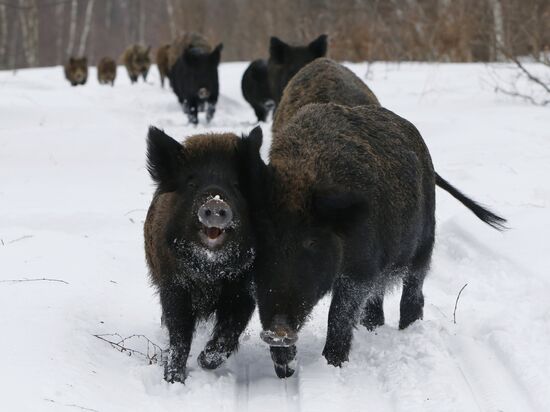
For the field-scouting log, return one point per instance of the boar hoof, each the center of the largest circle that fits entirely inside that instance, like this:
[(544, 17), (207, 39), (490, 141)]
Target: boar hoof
[(173, 374), (283, 371), (335, 357), (211, 359)]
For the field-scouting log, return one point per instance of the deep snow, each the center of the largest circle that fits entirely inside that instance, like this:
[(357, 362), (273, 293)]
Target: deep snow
[(73, 196)]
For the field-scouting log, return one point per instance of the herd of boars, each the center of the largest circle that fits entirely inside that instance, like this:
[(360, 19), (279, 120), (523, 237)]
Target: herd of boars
[(346, 205)]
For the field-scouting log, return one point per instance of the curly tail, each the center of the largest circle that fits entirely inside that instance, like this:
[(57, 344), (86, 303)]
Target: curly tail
[(484, 214)]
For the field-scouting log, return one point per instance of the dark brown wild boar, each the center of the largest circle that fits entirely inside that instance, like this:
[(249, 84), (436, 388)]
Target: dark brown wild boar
[(76, 70), (137, 61), (199, 243), (346, 205), (106, 71)]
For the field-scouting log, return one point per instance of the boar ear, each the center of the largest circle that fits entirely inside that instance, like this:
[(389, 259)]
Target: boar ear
[(71, 60), (164, 158), (216, 55), (277, 49), (251, 165), (148, 49), (340, 209), (85, 60), (319, 46)]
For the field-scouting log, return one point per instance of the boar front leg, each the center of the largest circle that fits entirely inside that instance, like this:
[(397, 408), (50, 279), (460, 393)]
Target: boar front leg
[(234, 310), (180, 319), (348, 298)]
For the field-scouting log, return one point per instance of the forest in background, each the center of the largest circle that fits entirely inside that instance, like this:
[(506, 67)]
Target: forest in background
[(46, 32)]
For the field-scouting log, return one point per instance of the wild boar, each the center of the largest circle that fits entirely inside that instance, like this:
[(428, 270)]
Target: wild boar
[(194, 75), (255, 88), (106, 71), (137, 61), (199, 243), (76, 70), (346, 205), (286, 60)]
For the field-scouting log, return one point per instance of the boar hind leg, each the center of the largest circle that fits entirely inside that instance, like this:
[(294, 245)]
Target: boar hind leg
[(179, 318), (232, 315), (412, 298), (348, 297), (373, 313)]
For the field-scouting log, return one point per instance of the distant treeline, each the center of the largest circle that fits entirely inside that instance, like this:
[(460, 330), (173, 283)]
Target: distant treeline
[(47, 32)]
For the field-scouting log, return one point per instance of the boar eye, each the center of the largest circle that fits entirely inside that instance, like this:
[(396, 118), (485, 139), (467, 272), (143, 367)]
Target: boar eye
[(310, 244)]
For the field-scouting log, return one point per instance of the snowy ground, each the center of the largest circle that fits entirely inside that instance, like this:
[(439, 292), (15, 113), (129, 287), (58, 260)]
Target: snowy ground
[(74, 193)]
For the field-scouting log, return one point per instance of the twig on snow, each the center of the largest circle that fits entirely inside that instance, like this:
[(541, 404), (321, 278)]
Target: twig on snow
[(154, 353), (71, 405), (456, 302), (33, 280), (19, 238)]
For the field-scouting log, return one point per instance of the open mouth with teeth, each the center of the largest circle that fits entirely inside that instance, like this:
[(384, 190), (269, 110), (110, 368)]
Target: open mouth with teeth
[(213, 237)]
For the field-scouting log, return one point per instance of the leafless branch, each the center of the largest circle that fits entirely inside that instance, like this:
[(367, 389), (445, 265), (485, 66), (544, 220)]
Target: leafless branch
[(33, 280), (71, 405), (154, 353), (19, 238), (456, 303)]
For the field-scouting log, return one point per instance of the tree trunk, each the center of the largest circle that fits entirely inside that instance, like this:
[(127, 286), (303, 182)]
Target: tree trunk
[(72, 28), (108, 14), (498, 29), (171, 18), (141, 29), (86, 30), (60, 22), (28, 18), (3, 37)]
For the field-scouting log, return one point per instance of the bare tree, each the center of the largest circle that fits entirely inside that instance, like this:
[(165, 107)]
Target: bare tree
[(72, 27), (60, 20), (86, 30), (498, 28), (3, 36), (28, 18), (141, 27), (171, 18)]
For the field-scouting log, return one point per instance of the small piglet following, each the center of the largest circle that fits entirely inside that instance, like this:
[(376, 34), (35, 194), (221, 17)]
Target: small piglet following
[(346, 205), (286, 60), (194, 75), (322, 81), (199, 243), (76, 70), (106, 71), (255, 88), (137, 61)]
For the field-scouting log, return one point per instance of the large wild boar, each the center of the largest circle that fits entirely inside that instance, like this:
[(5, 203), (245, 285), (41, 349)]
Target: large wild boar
[(346, 206), (163, 62), (255, 88), (76, 70), (137, 61), (322, 81), (106, 71), (194, 75), (199, 243), (286, 60)]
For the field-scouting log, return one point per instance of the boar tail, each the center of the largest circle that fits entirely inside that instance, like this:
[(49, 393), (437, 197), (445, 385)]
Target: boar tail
[(482, 213)]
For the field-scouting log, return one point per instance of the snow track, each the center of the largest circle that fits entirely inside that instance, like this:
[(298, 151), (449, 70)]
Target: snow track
[(74, 192)]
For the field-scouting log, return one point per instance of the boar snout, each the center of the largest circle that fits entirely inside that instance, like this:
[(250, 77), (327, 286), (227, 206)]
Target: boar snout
[(203, 93), (280, 334), (215, 213)]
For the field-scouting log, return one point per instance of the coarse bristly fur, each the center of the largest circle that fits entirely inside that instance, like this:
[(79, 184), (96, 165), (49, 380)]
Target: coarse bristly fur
[(286, 60), (76, 70), (346, 205), (196, 280), (255, 89), (163, 62), (322, 81), (193, 75), (106, 71), (137, 61)]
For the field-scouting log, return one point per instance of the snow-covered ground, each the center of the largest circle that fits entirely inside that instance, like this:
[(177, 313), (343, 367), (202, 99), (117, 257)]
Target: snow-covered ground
[(74, 193)]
